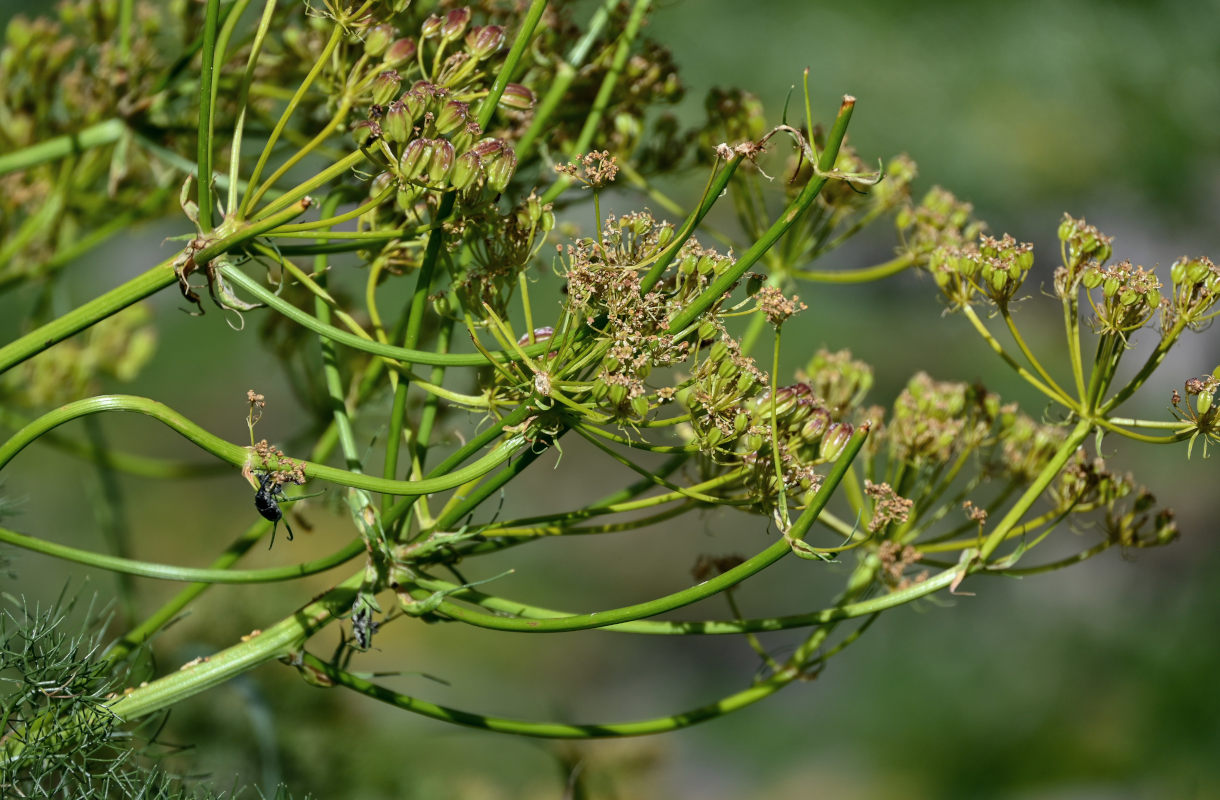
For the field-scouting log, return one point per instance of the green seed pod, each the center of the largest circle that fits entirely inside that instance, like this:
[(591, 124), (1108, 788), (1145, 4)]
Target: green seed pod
[(610, 364), (400, 52), (639, 406), (1110, 286), (600, 388), (385, 86), (441, 162), (968, 264), (727, 369), (500, 171), (455, 24), (618, 393), (713, 437), (745, 381), (378, 39), (998, 280), (415, 102), (452, 116), (1092, 278), (718, 351), (365, 132), (485, 41), (1177, 271), (1203, 402), (754, 442), (816, 425), (431, 26), (466, 171), (835, 440), (1067, 228), (707, 330), (414, 159), (517, 97), (396, 125)]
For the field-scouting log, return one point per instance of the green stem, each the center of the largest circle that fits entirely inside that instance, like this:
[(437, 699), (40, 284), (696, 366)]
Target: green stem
[(280, 640), (555, 730), (97, 309), (267, 297), (1077, 437), (1150, 365), (488, 107), (803, 201), (99, 135), (410, 340), (211, 22), (260, 35), (716, 185), (999, 350), (1029, 355), (604, 92), (323, 57), (169, 572), (241, 456), (863, 275), (685, 597)]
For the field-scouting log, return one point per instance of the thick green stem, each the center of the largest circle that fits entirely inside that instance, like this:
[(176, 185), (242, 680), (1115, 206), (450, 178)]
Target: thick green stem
[(95, 310), (282, 639)]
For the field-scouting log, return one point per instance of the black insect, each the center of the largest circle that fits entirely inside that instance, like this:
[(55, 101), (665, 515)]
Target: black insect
[(267, 500)]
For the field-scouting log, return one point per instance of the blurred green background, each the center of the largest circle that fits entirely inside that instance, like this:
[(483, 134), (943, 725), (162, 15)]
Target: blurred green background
[(1094, 682)]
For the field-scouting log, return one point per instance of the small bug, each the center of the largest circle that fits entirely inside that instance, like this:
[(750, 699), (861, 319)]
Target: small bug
[(267, 501)]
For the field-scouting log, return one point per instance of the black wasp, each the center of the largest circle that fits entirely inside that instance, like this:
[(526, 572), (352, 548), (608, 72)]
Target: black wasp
[(267, 500)]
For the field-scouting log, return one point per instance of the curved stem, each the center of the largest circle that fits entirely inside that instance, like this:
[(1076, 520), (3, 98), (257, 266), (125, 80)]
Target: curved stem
[(554, 730), (241, 456), (169, 572), (267, 297), (863, 275), (685, 597)]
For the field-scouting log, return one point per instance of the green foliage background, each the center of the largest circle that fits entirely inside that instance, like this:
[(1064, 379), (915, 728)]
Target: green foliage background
[(1094, 682)]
